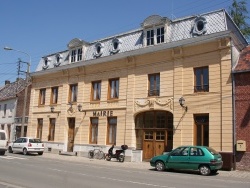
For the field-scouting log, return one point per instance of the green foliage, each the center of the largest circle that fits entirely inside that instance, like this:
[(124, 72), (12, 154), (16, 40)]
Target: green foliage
[(239, 14)]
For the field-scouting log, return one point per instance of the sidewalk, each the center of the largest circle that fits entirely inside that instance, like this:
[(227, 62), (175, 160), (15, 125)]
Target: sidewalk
[(135, 165)]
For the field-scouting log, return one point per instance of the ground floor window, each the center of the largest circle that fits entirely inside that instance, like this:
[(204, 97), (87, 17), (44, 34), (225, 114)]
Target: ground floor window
[(201, 129), (112, 127), (51, 129), (39, 128), (93, 130)]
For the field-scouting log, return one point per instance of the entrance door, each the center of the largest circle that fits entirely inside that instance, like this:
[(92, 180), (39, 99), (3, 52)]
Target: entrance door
[(71, 134), (153, 143)]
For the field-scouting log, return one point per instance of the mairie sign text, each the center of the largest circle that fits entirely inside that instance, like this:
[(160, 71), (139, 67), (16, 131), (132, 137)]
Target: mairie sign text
[(103, 113)]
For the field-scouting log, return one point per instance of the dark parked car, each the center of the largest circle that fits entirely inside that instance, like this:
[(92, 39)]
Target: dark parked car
[(202, 158)]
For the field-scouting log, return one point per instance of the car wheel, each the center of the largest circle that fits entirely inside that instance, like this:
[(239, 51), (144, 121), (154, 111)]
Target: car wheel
[(2, 152), (40, 153), (159, 166), (25, 152), (10, 150), (204, 170)]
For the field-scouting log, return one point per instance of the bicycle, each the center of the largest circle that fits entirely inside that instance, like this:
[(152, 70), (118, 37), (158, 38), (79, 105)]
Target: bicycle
[(96, 153)]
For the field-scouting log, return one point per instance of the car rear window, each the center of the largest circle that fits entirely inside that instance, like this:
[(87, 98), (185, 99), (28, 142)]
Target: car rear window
[(35, 141), (212, 151), (2, 136)]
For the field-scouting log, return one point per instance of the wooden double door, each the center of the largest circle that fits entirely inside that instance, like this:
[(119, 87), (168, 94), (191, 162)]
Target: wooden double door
[(154, 143)]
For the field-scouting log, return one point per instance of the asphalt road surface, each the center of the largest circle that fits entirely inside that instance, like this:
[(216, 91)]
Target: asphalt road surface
[(33, 171)]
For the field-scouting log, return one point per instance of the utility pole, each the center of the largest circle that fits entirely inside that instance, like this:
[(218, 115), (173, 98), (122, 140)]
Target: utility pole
[(25, 96), (26, 86)]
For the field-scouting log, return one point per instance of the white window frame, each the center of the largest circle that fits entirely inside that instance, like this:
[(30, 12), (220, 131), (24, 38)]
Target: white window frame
[(76, 55), (154, 29)]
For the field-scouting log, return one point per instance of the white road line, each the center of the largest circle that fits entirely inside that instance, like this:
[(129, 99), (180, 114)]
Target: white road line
[(11, 157)]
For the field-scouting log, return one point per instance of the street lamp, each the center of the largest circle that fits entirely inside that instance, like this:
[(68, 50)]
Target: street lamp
[(26, 86)]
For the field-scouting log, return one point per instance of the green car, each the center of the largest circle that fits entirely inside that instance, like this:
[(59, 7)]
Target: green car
[(202, 158)]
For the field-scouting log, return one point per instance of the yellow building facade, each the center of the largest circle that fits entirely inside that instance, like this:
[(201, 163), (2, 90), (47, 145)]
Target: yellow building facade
[(152, 98)]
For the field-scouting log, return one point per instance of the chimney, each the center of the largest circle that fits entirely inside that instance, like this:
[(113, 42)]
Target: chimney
[(7, 82)]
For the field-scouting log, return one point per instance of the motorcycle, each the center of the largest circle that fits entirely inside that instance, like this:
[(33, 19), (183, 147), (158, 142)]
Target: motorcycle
[(119, 154)]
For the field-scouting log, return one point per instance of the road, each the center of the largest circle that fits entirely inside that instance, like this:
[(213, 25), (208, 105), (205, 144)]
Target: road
[(33, 171)]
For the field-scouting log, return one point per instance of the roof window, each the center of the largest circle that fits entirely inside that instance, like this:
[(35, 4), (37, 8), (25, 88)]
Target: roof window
[(199, 26), (98, 50), (115, 46)]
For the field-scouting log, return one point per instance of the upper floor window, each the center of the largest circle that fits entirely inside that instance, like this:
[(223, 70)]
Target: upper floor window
[(46, 63), (115, 45), (160, 35), (98, 50), (54, 95), (42, 93), (73, 93), (73, 55), (58, 60), (96, 91), (201, 79), (154, 84), (5, 110), (79, 54), (156, 34), (114, 88), (150, 37)]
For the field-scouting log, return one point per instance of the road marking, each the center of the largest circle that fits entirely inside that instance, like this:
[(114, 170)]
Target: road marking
[(11, 157), (113, 179)]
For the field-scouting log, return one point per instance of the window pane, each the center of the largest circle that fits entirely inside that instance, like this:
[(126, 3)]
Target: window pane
[(161, 120), (149, 119), (114, 88)]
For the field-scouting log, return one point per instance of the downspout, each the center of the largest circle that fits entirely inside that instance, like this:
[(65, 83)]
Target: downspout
[(233, 112)]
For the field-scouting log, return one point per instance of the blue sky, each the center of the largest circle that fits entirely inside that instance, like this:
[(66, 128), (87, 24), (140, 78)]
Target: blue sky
[(42, 27)]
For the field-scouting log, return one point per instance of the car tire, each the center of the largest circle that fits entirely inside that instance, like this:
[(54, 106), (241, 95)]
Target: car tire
[(40, 153), (204, 170), (2, 152), (25, 152), (160, 166), (10, 150)]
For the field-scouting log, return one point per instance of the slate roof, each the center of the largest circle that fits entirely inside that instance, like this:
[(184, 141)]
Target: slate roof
[(243, 64), (178, 30), (10, 91)]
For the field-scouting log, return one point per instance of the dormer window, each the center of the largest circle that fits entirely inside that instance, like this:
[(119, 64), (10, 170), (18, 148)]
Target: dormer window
[(115, 45), (160, 35), (76, 55), (58, 60), (79, 54), (155, 34), (98, 50), (46, 63), (199, 26)]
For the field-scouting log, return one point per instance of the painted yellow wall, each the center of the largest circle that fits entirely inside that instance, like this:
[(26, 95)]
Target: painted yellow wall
[(176, 78)]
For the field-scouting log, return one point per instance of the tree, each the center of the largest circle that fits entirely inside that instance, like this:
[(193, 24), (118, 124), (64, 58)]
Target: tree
[(238, 12)]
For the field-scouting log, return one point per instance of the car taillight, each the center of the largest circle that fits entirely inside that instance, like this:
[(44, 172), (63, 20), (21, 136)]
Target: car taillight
[(29, 145), (213, 161)]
